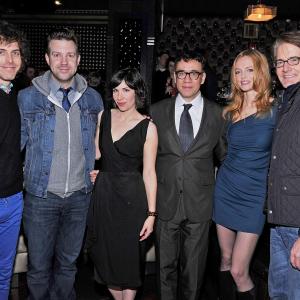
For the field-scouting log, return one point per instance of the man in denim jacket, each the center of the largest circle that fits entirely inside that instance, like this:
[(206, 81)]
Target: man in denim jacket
[(59, 117)]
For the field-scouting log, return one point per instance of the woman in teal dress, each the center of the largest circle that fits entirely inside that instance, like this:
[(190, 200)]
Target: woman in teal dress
[(242, 179)]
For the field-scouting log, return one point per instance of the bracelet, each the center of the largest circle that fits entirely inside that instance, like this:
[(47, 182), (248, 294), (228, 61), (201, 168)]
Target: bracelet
[(152, 213)]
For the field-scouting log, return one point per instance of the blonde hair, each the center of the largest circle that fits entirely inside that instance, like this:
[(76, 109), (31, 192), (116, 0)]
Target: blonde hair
[(261, 84)]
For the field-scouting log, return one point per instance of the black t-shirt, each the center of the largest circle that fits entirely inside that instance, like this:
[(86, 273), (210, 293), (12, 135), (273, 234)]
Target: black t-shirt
[(11, 178)]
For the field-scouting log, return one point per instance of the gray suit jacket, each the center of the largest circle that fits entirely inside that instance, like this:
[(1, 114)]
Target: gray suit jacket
[(189, 175)]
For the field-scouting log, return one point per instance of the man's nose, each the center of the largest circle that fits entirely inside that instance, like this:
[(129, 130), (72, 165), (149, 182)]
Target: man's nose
[(9, 57), (64, 59), (188, 77), (286, 66)]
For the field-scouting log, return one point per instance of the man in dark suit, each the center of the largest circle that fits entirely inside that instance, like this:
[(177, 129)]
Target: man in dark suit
[(190, 131)]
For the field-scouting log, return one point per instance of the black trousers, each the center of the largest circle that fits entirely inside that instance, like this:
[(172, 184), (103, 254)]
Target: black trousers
[(181, 251)]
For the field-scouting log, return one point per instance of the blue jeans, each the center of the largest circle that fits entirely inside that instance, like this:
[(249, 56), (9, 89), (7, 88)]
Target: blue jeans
[(54, 228), (10, 220), (284, 280)]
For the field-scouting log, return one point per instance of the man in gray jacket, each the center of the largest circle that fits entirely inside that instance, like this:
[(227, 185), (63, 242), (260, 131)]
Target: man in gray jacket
[(59, 116), (190, 139)]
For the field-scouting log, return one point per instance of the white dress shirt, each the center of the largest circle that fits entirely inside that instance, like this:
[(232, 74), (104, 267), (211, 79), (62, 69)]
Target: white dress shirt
[(195, 111)]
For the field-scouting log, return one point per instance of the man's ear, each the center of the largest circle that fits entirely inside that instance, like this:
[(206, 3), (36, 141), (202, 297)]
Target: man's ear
[(203, 77), (47, 59)]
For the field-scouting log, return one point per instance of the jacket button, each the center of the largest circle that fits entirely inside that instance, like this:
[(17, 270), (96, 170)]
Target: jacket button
[(180, 192), (270, 211), (274, 156), (271, 183), (285, 188)]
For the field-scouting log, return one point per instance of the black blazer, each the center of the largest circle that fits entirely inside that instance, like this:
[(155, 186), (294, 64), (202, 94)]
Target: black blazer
[(190, 175)]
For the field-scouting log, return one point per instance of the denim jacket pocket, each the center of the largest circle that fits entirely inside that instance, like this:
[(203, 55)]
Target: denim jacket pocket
[(35, 123)]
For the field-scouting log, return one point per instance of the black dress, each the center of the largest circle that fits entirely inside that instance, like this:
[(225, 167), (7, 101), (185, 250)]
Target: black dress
[(118, 207)]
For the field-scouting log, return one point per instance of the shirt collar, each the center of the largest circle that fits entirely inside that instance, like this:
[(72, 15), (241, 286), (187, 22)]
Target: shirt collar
[(197, 102), (6, 88), (55, 86)]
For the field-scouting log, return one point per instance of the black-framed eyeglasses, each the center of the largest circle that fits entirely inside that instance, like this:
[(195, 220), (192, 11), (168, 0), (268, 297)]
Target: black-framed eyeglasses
[(292, 61), (194, 75)]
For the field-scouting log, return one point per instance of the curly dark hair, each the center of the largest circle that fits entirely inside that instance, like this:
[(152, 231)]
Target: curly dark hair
[(10, 34), (134, 80)]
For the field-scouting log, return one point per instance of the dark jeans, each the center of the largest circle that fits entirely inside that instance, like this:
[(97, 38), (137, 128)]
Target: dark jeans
[(284, 279), (54, 228)]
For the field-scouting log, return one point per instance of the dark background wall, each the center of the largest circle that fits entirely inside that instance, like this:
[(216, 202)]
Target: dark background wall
[(120, 33), (223, 38)]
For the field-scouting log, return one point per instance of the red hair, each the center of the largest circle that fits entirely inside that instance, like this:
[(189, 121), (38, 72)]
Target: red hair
[(261, 84)]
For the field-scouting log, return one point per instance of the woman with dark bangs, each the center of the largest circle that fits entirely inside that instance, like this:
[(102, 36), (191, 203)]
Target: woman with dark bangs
[(241, 184), (123, 207)]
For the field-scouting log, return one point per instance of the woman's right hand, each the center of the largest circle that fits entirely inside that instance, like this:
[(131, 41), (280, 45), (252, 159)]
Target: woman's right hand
[(147, 228), (93, 175)]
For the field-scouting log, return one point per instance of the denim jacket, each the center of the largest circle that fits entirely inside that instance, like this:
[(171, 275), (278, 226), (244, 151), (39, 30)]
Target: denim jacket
[(37, 132)]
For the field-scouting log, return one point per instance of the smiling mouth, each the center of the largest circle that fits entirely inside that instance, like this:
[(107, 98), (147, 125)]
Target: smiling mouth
[(8, 68)]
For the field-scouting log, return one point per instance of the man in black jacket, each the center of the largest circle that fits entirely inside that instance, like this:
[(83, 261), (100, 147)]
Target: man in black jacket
[(190, 136), (284, 175), (12, 51)]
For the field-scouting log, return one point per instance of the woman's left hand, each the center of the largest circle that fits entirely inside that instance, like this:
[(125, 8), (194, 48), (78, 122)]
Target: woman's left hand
[(147, 228), (93, 175)]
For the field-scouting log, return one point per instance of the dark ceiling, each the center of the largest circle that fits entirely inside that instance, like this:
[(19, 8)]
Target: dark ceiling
[(287, 9), (235, 8)]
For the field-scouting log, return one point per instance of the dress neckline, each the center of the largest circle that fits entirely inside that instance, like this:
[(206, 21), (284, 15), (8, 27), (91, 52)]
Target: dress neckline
[(128, 131), (245, 118)]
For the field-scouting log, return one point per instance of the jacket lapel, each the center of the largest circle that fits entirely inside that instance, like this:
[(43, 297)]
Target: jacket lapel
[(171, 125)]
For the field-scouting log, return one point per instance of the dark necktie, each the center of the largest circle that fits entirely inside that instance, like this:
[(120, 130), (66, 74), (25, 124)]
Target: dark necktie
[(186, 133), (65, 101)]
